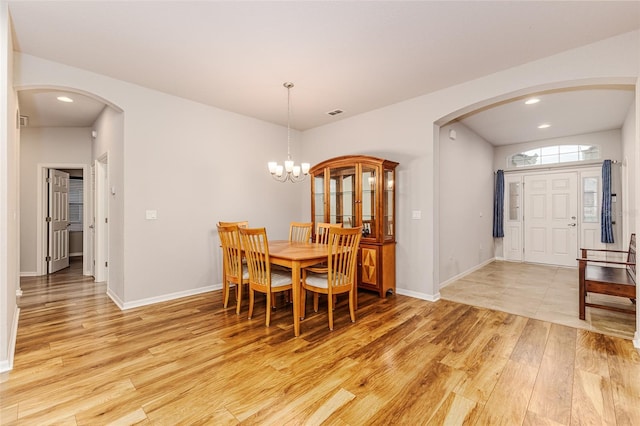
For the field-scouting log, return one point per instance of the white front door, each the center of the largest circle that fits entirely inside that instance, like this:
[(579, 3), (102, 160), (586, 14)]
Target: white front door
[(58, 221), (551, 219)]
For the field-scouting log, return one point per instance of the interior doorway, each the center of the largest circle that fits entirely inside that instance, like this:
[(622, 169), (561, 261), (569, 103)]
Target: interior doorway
[(49, 248)]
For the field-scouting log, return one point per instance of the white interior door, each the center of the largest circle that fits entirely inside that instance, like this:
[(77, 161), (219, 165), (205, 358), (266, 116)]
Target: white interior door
[(551, 219), (58, 221)]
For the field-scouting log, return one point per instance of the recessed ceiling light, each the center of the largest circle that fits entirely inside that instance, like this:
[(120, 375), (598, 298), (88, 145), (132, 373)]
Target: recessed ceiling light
[(532, 101), (64, 99), (544, 126)]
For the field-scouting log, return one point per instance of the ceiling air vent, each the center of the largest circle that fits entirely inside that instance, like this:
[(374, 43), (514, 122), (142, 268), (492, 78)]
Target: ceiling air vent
[(335, 112)]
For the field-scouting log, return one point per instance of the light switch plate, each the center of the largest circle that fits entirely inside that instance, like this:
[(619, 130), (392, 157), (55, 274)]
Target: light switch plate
[(152, 214), (416, 214)]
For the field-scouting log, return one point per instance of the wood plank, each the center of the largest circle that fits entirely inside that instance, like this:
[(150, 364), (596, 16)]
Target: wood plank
[(551, 396), (510, 398), (624, 372)]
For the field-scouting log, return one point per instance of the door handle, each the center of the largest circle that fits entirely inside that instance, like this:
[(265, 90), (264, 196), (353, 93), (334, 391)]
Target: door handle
[(572, 224)]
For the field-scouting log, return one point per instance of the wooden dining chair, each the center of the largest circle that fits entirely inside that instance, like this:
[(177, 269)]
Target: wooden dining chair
[(261, 278), (300, 231), (234, 272), (342, 254)]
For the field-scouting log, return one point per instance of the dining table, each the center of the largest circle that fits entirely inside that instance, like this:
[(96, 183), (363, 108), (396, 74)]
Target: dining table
[(296, 256)]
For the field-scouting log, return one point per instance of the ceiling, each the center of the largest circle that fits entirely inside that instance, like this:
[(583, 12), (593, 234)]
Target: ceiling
[(355, 56)]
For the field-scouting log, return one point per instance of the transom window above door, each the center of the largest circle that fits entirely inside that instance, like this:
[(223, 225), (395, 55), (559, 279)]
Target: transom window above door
[(554, 155)]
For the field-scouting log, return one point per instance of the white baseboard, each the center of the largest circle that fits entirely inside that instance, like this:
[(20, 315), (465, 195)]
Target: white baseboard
[(28, 274), (11, 349), (157, 299), (418, 295), (75, 254), (467, 272)]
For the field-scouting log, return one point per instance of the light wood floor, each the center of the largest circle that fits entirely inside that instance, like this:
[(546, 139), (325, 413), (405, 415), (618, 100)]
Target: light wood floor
[(548, 293), (80, 360)]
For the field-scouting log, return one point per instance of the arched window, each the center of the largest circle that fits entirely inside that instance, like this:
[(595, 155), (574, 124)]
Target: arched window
[(554, 155)]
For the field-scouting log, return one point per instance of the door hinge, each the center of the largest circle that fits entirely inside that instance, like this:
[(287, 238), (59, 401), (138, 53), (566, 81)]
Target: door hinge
[(48, 219), (48, 258), (106, 264), (48, 180), (106, 220)]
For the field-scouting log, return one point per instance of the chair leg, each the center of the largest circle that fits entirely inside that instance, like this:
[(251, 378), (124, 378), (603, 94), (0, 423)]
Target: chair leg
[(316, 297), (303, 302), (238, 298), (330, 303), (269, 301), (251, 297), (225, 291), (352, 305)]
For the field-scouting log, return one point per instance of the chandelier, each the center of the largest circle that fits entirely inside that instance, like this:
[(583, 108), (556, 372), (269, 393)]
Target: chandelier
[(289, 172)]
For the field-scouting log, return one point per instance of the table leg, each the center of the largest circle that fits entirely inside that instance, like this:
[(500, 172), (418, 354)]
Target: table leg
[(295, 281)]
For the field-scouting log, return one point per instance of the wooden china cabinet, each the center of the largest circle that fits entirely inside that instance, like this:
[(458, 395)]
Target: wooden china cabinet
[(358, 190)]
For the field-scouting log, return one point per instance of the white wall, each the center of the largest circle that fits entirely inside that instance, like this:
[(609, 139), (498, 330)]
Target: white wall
[(405, 132), (465, 201), (192, 163), (38, 146), (109, 144), (9, 196)]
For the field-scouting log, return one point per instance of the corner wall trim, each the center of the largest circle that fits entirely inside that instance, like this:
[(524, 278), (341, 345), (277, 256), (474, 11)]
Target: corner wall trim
[(11, 350)]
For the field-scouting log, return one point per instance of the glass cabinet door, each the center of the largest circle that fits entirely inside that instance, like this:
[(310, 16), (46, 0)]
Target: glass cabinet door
[(341, 197), (319, 198), (388, 206), (368, 201)]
